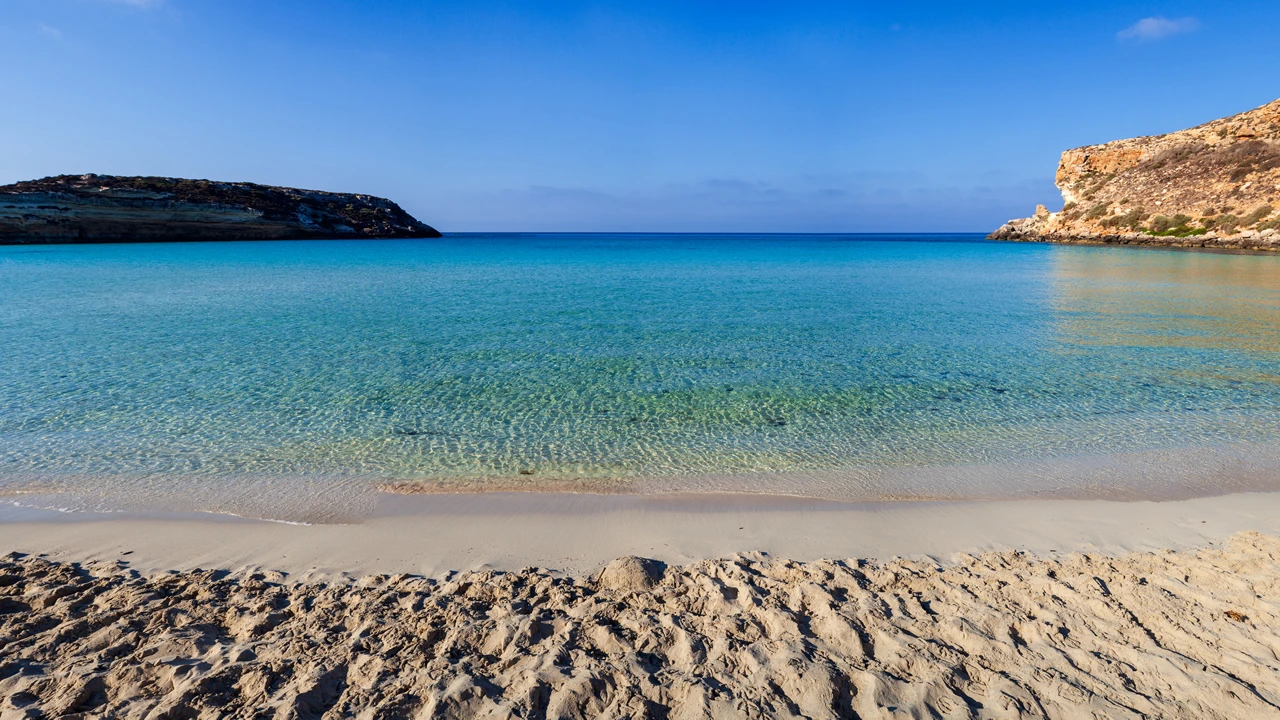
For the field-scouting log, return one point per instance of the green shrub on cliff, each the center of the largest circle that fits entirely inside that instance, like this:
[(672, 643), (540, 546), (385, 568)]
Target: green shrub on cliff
[(1131, 220), (1180, 231), (1176, 226), (1173, 156), (1256, 216), (1226, 223), (1096, 211), (1163, 223), (1272, 224)]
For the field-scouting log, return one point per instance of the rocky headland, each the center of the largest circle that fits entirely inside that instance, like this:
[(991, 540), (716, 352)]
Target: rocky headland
[(104, 208), (1212, 186)]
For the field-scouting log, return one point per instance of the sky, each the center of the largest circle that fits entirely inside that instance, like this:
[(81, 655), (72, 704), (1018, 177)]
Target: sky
[(799, 116)]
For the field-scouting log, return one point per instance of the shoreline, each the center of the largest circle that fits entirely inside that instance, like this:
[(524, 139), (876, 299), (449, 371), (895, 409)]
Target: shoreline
[(1143, 633), (1226, 246), (434, 534)]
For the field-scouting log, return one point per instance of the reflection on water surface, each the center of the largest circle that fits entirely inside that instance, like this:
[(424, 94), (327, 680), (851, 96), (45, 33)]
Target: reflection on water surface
[(1168, 299)]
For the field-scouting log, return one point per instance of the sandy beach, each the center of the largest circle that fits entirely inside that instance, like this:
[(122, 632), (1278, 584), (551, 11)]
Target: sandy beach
[(576, 534), (623, 606), (639, 361)]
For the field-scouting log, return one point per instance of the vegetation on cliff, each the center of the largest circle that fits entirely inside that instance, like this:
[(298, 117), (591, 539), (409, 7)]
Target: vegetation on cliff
[(103, 208), (1215, 185)]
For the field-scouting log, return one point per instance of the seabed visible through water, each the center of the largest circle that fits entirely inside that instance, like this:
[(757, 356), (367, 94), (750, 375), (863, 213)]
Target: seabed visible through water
[(287, 379)]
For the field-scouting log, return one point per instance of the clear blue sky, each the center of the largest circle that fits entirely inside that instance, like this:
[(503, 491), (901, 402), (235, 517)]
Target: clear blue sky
[(664, 116)]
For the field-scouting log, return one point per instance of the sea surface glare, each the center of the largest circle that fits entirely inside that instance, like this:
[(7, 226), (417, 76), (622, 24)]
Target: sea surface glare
[(287, 379)]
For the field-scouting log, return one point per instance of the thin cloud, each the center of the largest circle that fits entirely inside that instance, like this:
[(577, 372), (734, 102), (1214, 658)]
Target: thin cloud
[(871, 202), (52, 32), (1154, 28)]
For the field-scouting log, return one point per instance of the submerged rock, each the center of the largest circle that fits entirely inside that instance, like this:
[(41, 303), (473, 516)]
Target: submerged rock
[(104, 208)]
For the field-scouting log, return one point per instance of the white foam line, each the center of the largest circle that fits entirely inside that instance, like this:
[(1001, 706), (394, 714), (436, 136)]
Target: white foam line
[(259, 519)]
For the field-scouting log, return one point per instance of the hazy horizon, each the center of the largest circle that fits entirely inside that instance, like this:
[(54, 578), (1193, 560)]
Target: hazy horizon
[(622, 117)]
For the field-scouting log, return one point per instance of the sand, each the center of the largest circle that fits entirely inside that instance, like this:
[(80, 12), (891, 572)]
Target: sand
[(1121, 631), (577, 534), (1190, 634)]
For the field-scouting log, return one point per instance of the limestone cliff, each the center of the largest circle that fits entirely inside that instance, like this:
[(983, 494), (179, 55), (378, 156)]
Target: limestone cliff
[(103, 208), (1215, 185)]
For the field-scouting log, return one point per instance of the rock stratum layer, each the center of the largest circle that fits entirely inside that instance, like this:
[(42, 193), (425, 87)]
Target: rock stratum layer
[(1214, 186), (102, 208), (1004, 635)]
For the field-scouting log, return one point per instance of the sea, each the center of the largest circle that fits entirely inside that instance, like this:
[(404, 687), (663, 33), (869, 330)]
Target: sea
[(291, 380)]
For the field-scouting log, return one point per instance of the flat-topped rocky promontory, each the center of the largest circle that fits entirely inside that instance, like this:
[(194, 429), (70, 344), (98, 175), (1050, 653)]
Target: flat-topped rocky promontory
[(104, 208), (1216, 185)]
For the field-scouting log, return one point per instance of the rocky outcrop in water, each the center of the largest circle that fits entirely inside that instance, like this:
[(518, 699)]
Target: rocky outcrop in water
[(103, 208), (1216, 186)]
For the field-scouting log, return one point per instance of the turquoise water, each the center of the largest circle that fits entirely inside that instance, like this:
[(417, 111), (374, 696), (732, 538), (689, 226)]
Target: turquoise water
[(286, 378)]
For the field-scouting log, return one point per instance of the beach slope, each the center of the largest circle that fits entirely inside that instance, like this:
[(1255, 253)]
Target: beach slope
[(1007, 634)]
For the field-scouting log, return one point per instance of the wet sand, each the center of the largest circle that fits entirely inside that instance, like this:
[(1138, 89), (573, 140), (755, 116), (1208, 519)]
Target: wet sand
[(577, 534)]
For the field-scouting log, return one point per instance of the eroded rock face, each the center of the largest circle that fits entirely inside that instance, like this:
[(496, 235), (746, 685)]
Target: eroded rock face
[(102, 208), (1215, 185)]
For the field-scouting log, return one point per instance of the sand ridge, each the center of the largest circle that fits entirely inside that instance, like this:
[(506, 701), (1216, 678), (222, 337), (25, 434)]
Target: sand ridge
[(1005, 634)]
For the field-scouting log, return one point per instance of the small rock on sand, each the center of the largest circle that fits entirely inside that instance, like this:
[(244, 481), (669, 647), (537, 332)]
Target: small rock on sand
[(632, 574)]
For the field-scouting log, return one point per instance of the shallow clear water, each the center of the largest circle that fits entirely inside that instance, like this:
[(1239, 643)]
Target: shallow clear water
[(285, 378)]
